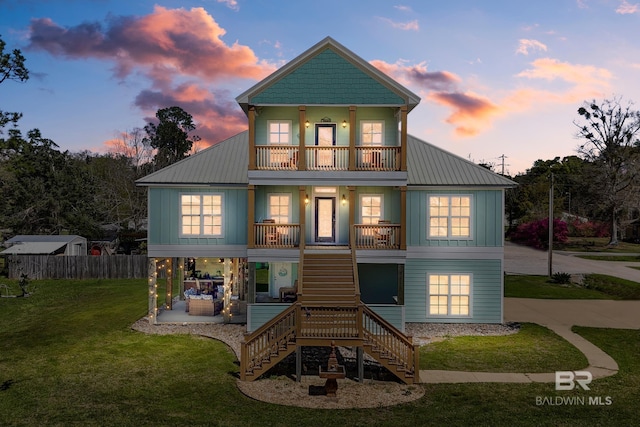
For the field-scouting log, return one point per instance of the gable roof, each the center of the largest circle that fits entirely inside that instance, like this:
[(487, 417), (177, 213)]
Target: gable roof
[(36, 244), (310, 79), (226, 163)]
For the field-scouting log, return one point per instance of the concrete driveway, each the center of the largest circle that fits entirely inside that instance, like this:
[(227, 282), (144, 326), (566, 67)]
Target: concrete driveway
[(525, 260)]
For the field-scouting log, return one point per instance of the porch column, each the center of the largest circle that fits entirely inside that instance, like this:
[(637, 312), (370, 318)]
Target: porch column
[(170, 271), (302, 153), (400, 284), (153, 291), (252, 138), (352, 138), (352, 213), (251, 216), (403, 138), (302, 194), (403, 217), (251, 291)]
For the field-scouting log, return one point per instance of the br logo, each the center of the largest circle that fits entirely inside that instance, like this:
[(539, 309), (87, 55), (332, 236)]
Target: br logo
[(566, 380)]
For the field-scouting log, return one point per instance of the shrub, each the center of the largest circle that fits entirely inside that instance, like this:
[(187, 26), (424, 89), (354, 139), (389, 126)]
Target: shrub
[(536, 233), (561, 278), (580, 228)]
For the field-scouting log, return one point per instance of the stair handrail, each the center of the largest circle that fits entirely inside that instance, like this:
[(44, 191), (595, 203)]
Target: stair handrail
[(281, 327), (354, 262), (401, 348)]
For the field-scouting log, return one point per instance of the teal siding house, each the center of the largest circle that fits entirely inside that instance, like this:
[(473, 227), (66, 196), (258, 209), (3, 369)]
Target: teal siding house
[(326, 208)]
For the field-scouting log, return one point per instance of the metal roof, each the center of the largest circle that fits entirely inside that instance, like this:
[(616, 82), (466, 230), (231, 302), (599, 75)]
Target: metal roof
[(226, 163), (428, 165), (407, 97), (64, 238), (34, 248)]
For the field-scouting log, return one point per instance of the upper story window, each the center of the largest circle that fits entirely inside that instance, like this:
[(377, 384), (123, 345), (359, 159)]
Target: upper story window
[(371, 133), (201, 214), (449, 216), (280, 208), (279, 132)]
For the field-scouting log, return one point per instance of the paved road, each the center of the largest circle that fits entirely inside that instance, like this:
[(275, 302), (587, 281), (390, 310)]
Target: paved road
[(524, 260)]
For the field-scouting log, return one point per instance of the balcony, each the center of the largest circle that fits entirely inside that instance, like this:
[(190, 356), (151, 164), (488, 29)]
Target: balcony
[(333, 158), (367, 236)]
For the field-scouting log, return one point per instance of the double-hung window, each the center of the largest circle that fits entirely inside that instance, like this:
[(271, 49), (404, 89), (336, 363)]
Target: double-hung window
[(449, 216), (371, 208), (449, 294), (279, 134), (201, 214), (280, 208), (371, 135)]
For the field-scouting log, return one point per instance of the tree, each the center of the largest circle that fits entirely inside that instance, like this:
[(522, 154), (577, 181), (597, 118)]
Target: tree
[(11, 68), (610, 134), (170, 137)]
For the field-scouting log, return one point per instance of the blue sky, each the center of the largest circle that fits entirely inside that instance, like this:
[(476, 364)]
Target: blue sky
[(495, 77)]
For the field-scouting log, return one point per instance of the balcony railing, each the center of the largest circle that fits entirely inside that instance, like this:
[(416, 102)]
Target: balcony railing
[(377, 236), (269, 235), (333, 158)]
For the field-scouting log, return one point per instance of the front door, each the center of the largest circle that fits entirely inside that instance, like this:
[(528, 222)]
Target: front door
[(325, 227), (325, 137)]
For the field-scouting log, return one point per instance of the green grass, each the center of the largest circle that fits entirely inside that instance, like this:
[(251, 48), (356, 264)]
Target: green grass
[(597, 244), (620, 258), (533, 349), (69, 358), (620, 288), (541, 287)]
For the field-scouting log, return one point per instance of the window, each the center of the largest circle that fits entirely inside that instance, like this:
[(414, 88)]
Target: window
[(449, 294), (370, 208), (279, 134), (280, 208), (371, 133), (450, 216), (201, 214)]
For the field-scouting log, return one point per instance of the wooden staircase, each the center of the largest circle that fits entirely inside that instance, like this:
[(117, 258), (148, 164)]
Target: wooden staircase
[(328, 309)]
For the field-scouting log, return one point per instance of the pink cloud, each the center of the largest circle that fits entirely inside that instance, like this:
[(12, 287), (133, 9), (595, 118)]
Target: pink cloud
[(405, 26), (182, 54), (418, 75), (525, 45), (627, 8), (575, 74), (471, 113), (166, 37)]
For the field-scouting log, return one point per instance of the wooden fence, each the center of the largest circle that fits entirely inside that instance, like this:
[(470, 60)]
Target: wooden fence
[(78, 267)]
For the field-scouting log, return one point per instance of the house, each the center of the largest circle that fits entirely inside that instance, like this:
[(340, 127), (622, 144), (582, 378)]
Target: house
[(68, 245), (327, 221)]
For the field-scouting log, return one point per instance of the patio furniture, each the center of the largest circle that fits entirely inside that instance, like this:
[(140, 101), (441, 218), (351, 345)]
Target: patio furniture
[(288, 292)]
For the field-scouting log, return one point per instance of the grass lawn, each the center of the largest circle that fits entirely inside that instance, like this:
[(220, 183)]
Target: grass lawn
[(68, 357), (597, 244), (541, 287), (619, 258), (533, 349)]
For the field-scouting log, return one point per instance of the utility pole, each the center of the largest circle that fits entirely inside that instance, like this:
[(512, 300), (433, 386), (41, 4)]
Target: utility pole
[(503, 165), (551, 227)]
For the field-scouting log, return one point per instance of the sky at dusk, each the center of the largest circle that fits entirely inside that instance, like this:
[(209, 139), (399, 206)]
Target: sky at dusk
[(499, 77)]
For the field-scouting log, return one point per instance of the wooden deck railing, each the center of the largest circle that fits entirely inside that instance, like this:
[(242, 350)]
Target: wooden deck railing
[(394, 348), (378, 158), (269, 344), (377, 236), (276, 235), (331, 158)]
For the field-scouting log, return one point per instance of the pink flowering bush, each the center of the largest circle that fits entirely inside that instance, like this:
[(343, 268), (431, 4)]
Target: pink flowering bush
[(536, 233), (579, 228)]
